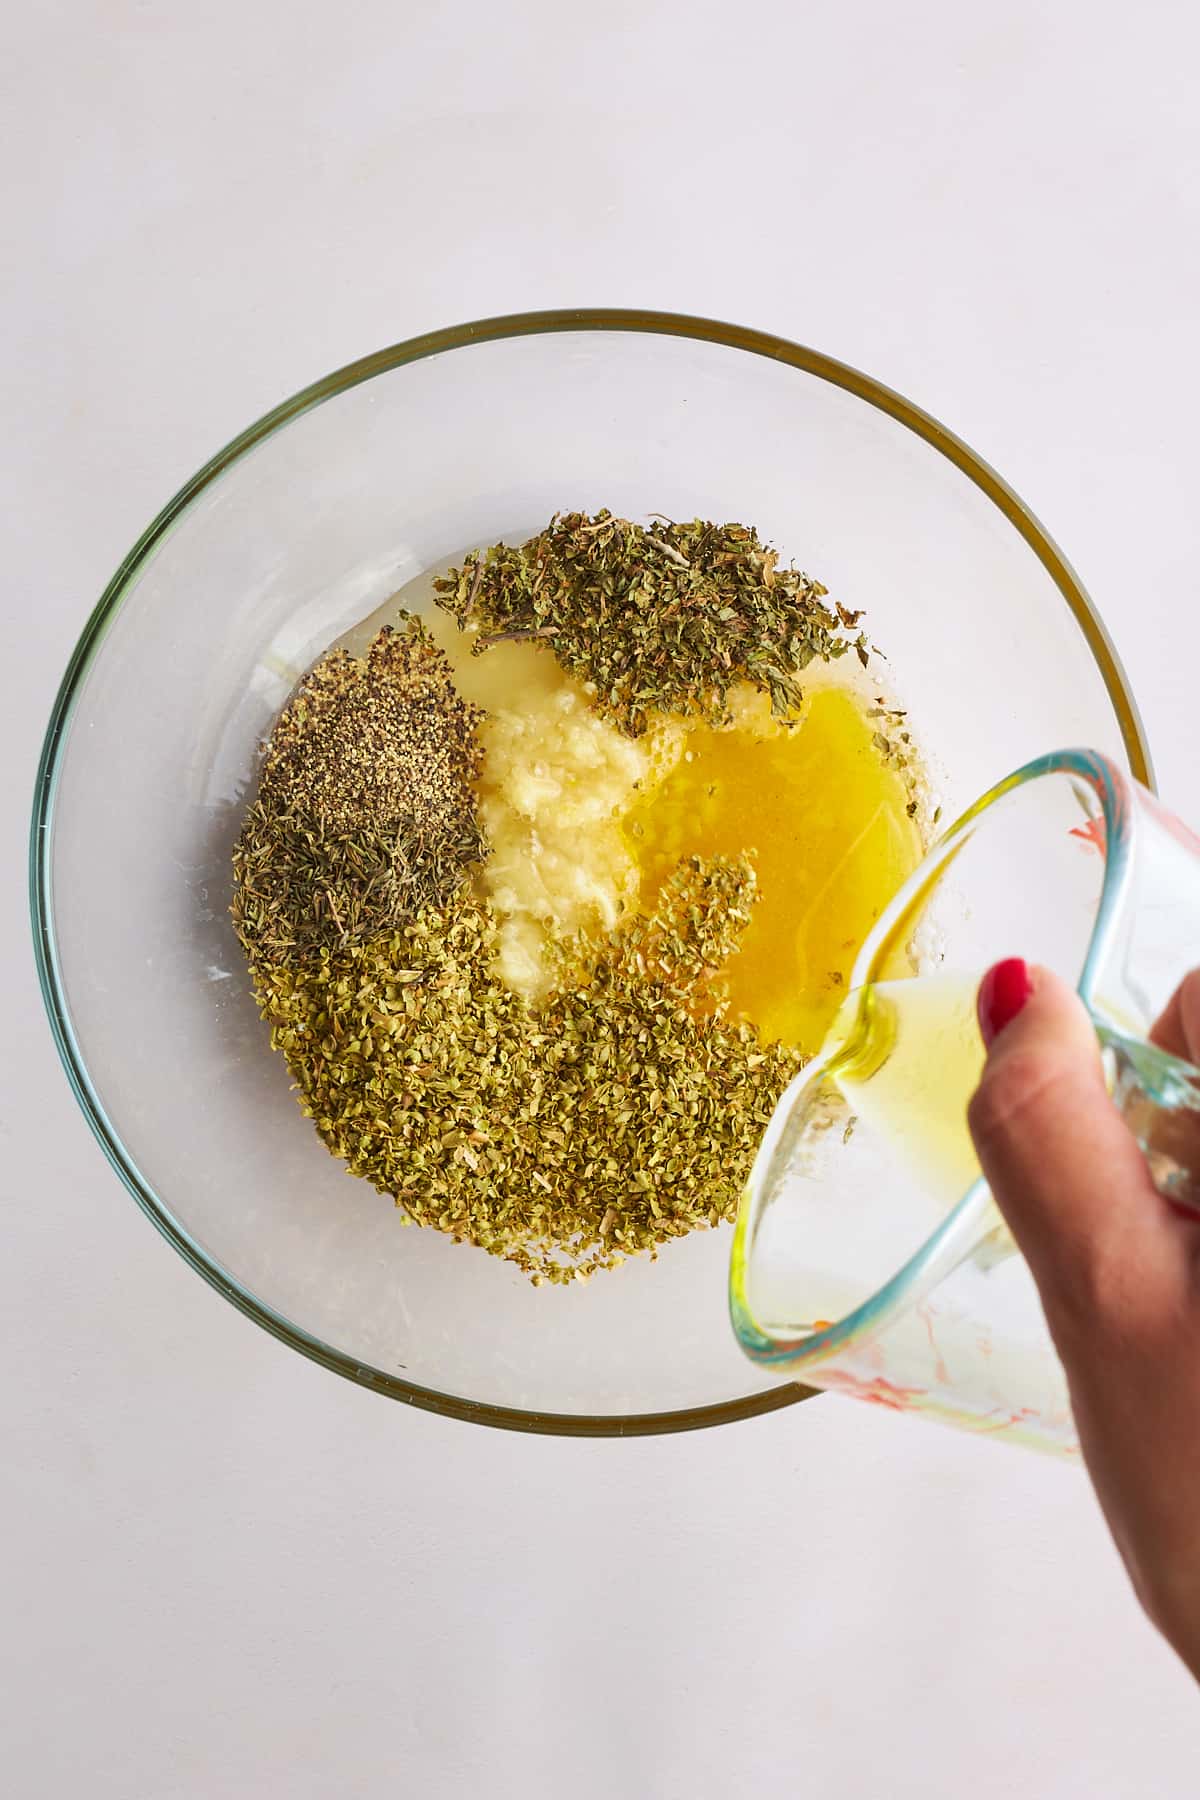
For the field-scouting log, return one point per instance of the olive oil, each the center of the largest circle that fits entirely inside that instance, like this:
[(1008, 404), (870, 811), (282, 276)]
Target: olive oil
[(907, 1056), (826, 814)]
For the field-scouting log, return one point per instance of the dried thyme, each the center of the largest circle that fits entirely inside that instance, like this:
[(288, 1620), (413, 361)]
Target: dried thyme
[(618, 1115), (666, 617), (365, 813)]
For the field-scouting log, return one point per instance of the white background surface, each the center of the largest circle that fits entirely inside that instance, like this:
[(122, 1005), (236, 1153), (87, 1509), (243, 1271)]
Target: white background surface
[(229, 1573)]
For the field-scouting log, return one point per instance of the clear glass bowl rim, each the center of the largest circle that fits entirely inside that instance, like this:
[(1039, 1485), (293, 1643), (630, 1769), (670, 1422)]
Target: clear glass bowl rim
[(435, 343)]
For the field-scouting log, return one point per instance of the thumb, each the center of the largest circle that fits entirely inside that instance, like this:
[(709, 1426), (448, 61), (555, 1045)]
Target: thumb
[(1064, 1169)]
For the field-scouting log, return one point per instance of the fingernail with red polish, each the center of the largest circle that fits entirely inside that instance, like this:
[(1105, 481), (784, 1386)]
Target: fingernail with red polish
[(1002, 993)]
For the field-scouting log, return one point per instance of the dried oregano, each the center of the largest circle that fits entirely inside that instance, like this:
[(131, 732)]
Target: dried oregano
[(666, 617), (621, 1113)]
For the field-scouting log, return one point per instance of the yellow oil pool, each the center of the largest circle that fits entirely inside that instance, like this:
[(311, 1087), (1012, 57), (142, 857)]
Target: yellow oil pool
[(826, 818)]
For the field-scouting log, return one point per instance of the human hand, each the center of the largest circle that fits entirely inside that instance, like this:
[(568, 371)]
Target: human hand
[(1117, 1269)]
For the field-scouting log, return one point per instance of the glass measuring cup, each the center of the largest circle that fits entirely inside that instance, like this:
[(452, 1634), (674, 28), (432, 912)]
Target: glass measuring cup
[(869, 1257)]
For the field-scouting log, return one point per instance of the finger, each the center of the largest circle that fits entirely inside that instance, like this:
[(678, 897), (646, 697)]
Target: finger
[(1064, 1169), (1178, 1030)]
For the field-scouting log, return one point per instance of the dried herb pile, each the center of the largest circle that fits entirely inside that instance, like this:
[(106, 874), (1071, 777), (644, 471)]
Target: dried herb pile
[(611, 1119), (365, 812), (664, 617)]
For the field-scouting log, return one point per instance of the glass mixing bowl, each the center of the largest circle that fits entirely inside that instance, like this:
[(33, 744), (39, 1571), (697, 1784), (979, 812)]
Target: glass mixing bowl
[(305, 524)]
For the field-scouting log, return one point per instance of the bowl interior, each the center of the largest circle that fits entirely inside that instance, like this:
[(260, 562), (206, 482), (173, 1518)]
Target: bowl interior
[(300, 530)]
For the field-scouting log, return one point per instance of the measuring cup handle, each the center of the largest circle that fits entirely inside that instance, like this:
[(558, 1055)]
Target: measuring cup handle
[(1159, 1098)]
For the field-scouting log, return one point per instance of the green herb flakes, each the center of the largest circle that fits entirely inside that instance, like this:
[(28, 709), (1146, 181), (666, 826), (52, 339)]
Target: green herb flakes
[(616, 1116), (666, 617), (365, 812)]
